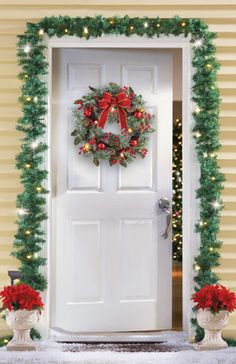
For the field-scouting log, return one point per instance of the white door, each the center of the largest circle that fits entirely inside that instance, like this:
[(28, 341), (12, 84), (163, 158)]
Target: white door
[(111, 268)]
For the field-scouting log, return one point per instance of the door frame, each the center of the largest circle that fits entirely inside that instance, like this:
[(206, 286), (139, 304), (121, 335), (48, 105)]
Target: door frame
[(191, 240)]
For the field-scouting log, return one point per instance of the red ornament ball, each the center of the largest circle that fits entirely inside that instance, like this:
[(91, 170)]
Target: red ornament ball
[(114, 161), (101, 146), (133, 143), (138, 114), (87, 112)]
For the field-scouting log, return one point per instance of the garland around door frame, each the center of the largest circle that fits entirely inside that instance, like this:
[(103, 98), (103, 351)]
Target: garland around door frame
[(30, 238)]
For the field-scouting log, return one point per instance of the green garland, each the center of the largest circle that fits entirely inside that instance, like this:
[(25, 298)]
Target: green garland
[(31, 202), (120, 148), (177, 213)]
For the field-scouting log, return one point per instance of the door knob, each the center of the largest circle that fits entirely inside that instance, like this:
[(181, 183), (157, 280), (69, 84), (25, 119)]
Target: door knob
[(164, 205)]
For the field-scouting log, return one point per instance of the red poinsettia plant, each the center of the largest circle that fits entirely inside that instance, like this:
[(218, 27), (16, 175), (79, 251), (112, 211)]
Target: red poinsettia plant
[(20, 297), (215, 297)]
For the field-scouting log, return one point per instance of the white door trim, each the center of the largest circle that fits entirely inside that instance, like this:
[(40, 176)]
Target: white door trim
[(190, 164)]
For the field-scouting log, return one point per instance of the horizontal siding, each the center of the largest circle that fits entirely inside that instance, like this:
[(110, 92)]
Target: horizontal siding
[(221, 17), (121, 3), (32, 12)]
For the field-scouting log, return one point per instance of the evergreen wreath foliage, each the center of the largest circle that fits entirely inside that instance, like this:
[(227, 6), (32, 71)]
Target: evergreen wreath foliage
[(109, 104)]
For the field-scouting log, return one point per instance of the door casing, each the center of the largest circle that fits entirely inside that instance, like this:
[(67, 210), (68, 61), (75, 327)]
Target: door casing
[(190, 164)]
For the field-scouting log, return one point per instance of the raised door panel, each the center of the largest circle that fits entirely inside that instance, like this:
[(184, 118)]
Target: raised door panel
[(138, 260), (86, 268)]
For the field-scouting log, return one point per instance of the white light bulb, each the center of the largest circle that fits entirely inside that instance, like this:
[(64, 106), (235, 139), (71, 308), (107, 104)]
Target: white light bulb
[(85, 30), (198, 43), (145, 24), (216, 204), (198, 135), (27, 48), (34, 145), (21, 211), (35, 98)]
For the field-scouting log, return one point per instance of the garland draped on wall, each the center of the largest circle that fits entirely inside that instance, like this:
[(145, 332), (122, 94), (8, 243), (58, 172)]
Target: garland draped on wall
[(29, 238)]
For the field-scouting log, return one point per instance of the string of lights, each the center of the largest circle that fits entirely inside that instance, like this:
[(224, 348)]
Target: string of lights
[(177, 191)]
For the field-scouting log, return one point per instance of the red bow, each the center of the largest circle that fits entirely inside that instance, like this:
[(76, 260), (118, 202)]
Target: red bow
[(108, 101)]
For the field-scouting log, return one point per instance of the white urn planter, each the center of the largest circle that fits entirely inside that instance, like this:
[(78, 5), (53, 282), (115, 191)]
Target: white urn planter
[(213, 324), (21, 322)]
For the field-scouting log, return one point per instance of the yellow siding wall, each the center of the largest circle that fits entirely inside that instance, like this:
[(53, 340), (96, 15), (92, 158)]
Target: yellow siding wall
[(221, 17)]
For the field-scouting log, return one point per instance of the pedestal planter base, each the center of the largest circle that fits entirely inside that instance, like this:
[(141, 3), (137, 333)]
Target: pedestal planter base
[(21, 341), (21, 322), (212, 325)]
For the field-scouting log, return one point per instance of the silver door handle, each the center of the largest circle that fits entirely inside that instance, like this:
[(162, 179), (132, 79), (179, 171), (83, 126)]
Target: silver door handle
[(164, 205)]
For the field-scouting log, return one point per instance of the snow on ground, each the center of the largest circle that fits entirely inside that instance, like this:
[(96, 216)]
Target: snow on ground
[(226, 356), (51, 353)]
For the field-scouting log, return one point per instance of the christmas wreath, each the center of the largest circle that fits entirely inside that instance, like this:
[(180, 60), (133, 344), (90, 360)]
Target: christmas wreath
[(110, 104)]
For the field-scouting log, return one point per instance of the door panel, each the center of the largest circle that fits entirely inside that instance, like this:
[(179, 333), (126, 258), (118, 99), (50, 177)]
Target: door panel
[(137, 265), (85, 246), (112, 270)]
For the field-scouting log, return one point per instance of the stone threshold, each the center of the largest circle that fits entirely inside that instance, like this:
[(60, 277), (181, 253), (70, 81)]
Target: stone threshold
[(60, 335)]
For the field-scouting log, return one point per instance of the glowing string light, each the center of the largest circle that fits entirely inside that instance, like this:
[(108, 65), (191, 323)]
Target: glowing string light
[(198, 43), (21, 211), (34, 144), (216, 205), (27, 48)]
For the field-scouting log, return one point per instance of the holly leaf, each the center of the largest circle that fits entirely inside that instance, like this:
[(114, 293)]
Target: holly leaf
[(123, 163), (77, 140), (151, 130), (92, 88), (75, 132), (96, 161), (131, 90)]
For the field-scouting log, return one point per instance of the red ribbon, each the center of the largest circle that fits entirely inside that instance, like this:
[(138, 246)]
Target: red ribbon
[(121, 101)]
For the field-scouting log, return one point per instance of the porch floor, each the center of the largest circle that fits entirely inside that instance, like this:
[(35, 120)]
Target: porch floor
[(50, 352)]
